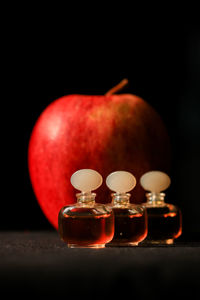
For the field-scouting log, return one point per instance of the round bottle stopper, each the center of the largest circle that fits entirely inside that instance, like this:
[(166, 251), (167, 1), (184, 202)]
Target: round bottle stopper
[(155, 181), (86, 180), (121, 181)]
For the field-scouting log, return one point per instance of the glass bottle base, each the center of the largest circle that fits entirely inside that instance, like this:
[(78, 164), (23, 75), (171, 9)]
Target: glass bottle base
[(158, 242), (86, 246), (121, 244)]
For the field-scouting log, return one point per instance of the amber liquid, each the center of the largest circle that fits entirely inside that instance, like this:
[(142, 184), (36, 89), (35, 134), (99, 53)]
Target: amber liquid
[(84, 228), (130, 229), (164, 223)]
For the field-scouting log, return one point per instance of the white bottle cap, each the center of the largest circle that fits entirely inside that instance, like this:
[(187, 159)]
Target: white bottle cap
[(121, 181), (86, 180), (155, 181)]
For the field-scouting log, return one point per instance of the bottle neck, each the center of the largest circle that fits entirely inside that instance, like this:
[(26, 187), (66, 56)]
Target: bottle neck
[(155, 199), (120, 198), (86, 198)]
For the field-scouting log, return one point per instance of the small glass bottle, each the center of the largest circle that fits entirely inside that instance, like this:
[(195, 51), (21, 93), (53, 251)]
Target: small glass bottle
[(86, 223), (164, 220), (130, 219)]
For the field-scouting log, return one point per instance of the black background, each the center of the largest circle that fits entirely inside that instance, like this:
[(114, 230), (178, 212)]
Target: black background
[(72, 54)]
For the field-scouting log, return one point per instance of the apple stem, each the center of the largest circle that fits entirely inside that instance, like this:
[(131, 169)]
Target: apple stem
[(118, 87)]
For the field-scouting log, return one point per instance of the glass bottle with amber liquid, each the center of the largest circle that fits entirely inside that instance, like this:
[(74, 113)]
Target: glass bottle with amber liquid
[(164, 219), (130, 219), (86, 223)]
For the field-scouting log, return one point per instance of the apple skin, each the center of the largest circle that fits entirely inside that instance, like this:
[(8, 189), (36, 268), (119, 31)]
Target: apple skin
[(104, 133)]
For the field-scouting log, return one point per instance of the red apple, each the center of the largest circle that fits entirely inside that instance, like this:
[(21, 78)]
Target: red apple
[(104, 133)]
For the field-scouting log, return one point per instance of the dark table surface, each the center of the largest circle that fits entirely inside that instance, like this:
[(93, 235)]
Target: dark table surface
[(40, 264)]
